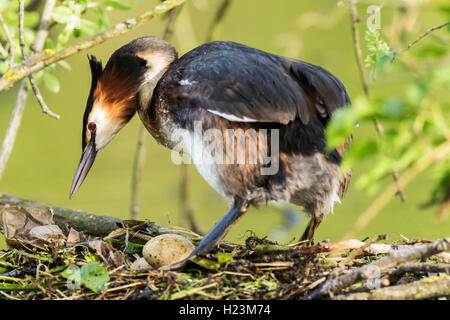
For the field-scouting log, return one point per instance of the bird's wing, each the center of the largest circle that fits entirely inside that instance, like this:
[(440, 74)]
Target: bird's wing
[(247, 85)]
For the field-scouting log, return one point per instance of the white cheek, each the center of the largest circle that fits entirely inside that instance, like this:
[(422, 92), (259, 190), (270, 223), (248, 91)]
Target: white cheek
[(106, 128)]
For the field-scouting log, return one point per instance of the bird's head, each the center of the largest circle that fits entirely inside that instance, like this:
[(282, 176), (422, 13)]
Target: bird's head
[(117, 91)]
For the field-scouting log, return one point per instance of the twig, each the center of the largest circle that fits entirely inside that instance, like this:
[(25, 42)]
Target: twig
[(21, 31), (394, 258), (365, 85), (393, 275), (22, 95), (357, 47), (43, 25), (45, 109), (139, 158), (359, 250), (10, 41), (41, 60), (433, 287), (139, 161), (186, 210), (427, 32), (383, 199), (13, 127), (92, 224), (216, 22), (171, 19)]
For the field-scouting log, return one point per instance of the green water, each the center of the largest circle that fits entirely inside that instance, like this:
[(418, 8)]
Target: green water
[(47, 151)]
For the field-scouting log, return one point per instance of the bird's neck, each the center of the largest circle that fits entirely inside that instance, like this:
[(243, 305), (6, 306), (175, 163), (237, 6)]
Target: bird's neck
[(158, 63)]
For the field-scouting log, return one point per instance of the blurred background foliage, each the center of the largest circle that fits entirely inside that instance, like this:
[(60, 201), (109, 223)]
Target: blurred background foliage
[(409, 95)]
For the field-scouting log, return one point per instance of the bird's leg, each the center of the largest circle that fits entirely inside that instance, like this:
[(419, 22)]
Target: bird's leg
[(308, 235), (216, 234)]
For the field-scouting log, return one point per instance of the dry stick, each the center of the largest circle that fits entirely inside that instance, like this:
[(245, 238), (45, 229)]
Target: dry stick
[(22, 95), (383, 199), (433, 287), (13, 127), (423, 35), (394, 258), (91, 224), (139, 158), (43, 26), (365, 85), (394, 275), (41, 60), (215, 25), (10, 41), (186, 210), (358, 251), (139, 161)]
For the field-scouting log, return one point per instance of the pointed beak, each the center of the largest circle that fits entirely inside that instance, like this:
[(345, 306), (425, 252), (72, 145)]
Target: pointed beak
[(86, 161)]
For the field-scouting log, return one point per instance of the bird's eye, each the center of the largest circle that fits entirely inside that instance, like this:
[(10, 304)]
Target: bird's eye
[(91, 126)]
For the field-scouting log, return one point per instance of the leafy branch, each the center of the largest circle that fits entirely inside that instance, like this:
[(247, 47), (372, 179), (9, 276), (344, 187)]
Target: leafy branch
[(48, 57)]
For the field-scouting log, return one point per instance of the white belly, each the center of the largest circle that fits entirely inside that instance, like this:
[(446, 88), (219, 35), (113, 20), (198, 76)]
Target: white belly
[(193, 150)]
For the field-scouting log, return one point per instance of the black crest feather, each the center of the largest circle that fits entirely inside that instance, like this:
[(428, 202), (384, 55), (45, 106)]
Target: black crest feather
[(96, 72)]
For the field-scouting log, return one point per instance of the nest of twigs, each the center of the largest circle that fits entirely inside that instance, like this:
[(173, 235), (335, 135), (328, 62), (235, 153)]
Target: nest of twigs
[(58, 253), (260, 269)]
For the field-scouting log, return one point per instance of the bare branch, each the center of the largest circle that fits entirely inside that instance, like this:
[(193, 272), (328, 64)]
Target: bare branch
[(187, 213), (170, 27), (139, 158), (41, 60), (428, 288), (13, 126), (333, 286), (41, 101), (394, 275), (10, 41), (21, 31), (357, 46), (92, 224), (22, 96), (138, 165), (427, 32), (42, 26), (365, 85), (215, 25)]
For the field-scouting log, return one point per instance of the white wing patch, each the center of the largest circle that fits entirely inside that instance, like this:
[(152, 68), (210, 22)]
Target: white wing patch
[(186, 82), (231, 117)]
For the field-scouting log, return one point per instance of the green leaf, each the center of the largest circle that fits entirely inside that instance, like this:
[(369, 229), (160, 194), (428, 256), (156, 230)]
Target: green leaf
[(116, 4), (65, 65), (362, 149), (134, 248), (49, 44), (3, 66), (64, 36), (429, 51), (206, 263), (102, 19), (94, 276), (51, 82), (72, 273), (88, 27), (62, 14), (224, 257), (31, 19)]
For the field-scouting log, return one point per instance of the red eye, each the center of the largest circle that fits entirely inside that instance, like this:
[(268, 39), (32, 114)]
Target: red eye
[(91, 126)]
